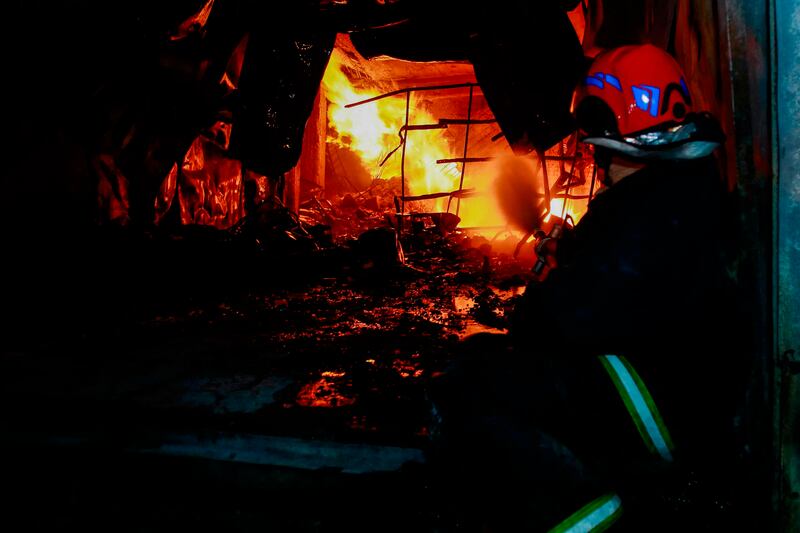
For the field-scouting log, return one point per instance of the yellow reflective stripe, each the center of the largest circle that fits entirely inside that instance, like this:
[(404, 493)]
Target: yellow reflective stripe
[(640, 405), (594, 517)]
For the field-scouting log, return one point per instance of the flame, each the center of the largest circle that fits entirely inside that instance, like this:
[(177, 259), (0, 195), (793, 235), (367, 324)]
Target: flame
[(372, 131), (575, 209)]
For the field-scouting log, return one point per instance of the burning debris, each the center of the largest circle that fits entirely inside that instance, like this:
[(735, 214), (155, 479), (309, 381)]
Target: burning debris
[(330, 390), (389, 144), (350, 214), (309, 215), (409, 133)]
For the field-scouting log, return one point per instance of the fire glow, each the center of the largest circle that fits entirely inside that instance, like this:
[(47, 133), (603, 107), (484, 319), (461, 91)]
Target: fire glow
[(372, 131), (330, 390)]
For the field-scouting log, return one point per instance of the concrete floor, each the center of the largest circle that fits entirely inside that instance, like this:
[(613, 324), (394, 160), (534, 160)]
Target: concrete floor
[(298, 406)]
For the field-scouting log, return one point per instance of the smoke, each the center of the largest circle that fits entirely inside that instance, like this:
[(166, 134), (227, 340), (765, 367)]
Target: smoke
[(519, 189)]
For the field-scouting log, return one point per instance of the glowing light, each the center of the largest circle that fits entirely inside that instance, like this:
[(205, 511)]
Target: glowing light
[(372, 131), (574, 209), (329, 391)]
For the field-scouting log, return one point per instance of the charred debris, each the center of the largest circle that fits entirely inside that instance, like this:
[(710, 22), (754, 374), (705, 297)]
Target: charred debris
[(175, 290), (117, 226)]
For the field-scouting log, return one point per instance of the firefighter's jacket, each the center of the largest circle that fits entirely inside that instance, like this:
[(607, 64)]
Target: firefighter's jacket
[(646, 274)]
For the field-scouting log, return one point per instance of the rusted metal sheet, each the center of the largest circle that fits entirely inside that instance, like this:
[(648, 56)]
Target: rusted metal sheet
[(787, 243), (746, 34)]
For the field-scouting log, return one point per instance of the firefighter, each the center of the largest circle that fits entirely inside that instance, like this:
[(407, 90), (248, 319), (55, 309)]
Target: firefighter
[(621, 367)]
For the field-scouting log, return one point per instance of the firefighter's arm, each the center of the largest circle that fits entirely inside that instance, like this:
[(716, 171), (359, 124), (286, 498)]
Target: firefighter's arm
[(596, 298), (547, 247)]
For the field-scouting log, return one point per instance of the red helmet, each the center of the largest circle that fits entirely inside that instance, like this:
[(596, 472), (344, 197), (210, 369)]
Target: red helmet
[(635, 101)]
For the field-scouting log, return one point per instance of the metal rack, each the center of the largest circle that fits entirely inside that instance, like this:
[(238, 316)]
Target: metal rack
[(444, 123)]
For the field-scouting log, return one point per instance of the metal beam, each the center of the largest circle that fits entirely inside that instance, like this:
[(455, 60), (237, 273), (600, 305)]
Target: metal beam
[(745, 28), (787, 254), (409, 90)]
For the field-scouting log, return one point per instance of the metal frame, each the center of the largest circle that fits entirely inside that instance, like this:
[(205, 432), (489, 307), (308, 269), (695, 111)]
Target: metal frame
[(443, 123), (786, 242)]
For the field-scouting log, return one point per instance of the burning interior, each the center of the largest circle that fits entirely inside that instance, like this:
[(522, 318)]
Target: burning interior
[(387, 140), (248, 237)]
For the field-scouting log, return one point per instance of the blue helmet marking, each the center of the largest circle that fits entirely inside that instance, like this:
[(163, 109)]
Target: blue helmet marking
[(614, 82), (599, 79), (647, 98), (591, 80)]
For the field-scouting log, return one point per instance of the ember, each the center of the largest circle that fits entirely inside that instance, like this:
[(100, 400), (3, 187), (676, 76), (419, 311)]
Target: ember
[(328, 391), (408, 369)]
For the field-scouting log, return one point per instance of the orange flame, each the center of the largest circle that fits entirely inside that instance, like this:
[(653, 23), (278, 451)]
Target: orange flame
[(372, 131), (574, 209), (579, 190)]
